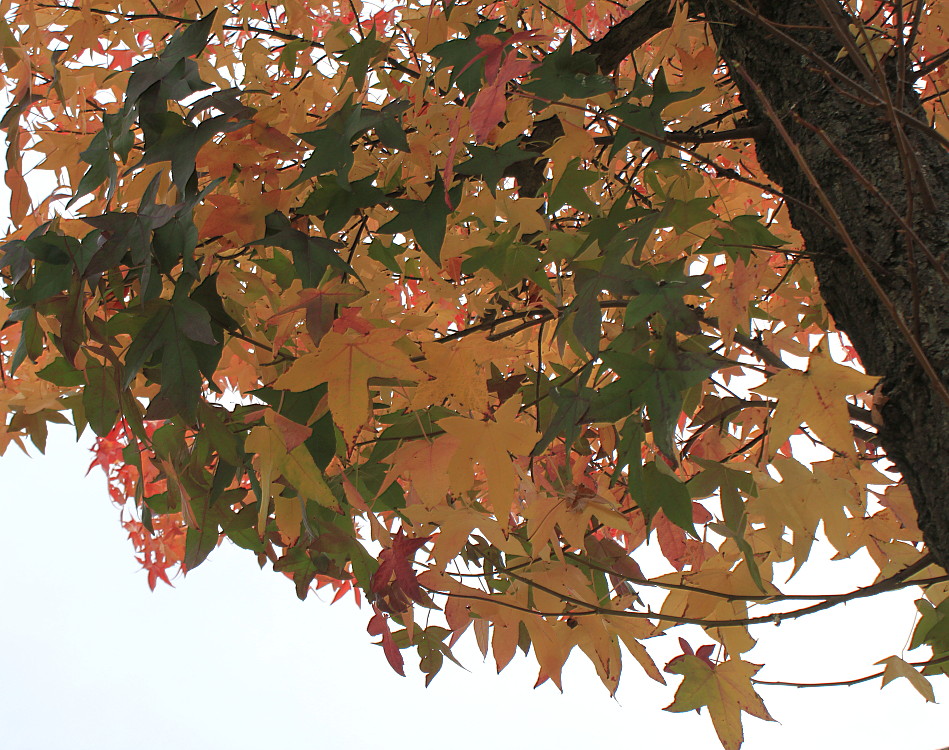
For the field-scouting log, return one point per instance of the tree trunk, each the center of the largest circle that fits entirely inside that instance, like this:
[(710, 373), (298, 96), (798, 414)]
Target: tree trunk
[(784, 76), (783, 55)]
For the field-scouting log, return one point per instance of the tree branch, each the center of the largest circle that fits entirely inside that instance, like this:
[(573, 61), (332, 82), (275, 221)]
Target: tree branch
[(631, 33)]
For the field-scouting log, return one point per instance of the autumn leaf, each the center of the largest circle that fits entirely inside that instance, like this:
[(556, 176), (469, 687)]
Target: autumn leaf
[(395, 581), (378, 625), (490, 104), (293, 320), (346, 362), (725, 689), (817, 397), (897, 667), (491, 445)]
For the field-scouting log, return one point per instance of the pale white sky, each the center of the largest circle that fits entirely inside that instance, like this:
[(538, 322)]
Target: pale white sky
[(230, 658)]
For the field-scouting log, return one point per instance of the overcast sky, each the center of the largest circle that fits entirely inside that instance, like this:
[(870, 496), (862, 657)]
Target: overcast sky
[(229, 658)]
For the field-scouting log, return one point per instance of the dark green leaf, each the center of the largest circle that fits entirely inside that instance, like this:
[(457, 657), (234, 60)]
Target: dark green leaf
[(427, 219), (740, 237), (565, 73), (458, 54), (490, 163), (569, 190), (100, 397), (311, 255), (361, 55), (339, 202), (663, 491), (60, 372)]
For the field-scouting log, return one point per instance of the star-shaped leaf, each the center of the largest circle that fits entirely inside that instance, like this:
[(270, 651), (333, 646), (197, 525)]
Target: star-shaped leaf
[(818, 398)]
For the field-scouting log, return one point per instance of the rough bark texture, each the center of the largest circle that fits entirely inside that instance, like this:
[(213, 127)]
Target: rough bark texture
[(915, 429)]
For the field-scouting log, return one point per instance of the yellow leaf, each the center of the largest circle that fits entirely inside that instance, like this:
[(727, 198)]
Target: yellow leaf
[(289, 514), (422, 463), (295, 468), (454, 524), (896, 667), (491, 444), (800, 502), (346, 362), (724, 688), (899, 500), (299, 468), (552, 642), (19, 194), (455, 377), (570, 514), (817, 397), (265, 445)]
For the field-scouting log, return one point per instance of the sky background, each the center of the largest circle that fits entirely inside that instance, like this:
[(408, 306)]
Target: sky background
[(230, 658)]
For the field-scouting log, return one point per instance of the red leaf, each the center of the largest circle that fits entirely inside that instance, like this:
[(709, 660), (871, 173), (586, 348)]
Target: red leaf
[(490, 104), (705, 653), (487, 111), (379, 626), (395, 578)]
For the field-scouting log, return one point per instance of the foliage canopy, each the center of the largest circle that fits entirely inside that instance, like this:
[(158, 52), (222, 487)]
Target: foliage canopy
[(451, 307)]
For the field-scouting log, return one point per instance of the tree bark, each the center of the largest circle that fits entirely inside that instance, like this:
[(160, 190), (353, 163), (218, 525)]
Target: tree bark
[(783, 58), (782, 74)]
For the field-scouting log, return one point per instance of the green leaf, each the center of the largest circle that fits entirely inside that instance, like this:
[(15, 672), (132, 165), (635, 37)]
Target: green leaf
[(639, 122), (662, 490), (629, 453), (100, 397), (48, 281), (572, 403), (662, 97), (338, 202), (199, 542), (332, 143), (289, 52), (123, 233), (427, 219), (387, 255), (458, 54), (145, 342), (312, 256), (189, 42), (180, 381), (490, 163), (191, 320), (30, 344), (361, 55), (730, 484), (565, 73), (511, 262), (657, 380), (740, 237), (60, 372), (683, 215), (115, 139), (569, 190), (168, 137), (660, 289), (221, 437)]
